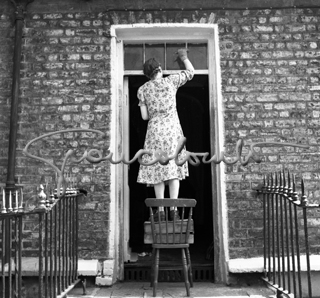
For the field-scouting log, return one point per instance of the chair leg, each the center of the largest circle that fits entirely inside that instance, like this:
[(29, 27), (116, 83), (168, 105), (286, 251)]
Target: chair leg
[(185, 271), (189, 267), (156, 272)]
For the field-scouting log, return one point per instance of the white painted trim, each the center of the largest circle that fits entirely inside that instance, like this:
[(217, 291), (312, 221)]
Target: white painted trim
[(151, 32), (113, 225), (165, 72), (220, 145), (251, 265), (126, 191), (216, 104)]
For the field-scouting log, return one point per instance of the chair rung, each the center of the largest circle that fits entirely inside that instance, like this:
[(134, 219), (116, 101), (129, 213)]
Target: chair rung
[(174, 246)]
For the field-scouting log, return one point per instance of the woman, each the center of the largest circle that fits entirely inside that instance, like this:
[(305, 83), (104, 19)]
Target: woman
[(157, 101)]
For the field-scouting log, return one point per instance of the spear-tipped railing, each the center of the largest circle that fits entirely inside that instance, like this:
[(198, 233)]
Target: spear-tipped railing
[(57, 243), (286, 235)]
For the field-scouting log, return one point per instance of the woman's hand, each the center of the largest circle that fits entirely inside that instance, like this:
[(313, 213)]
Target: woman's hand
[(182, 54)]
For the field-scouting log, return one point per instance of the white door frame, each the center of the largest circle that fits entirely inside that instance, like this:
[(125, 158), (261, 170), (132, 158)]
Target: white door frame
[(120, 130)]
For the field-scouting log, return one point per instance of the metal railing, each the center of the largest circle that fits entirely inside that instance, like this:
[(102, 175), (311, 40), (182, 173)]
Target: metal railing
[(286, 235), (57, 232)]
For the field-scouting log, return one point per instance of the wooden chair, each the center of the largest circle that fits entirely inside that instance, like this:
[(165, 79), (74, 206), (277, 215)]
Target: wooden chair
[(167, 234)]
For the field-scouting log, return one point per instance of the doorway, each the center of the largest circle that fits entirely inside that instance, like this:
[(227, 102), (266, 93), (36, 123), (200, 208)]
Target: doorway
[(145, 34), (193, 110)]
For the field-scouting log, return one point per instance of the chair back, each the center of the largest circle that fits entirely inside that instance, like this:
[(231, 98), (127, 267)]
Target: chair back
[(170, 232)]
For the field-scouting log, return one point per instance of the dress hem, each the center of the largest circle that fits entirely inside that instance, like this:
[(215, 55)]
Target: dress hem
[(153, 183)]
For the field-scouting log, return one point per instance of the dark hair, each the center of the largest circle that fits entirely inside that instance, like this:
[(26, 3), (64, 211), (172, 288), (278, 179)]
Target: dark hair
[(150, 67)]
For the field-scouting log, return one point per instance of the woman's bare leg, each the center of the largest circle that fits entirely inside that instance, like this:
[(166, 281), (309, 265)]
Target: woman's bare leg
[(174, 185), (159, 192)]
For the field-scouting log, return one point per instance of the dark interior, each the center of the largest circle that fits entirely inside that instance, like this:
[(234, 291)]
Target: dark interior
[(193, 110)]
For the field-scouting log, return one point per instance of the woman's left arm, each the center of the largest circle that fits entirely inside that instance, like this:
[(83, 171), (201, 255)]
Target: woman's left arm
[(188, 65), (142, 104), (144, 112)]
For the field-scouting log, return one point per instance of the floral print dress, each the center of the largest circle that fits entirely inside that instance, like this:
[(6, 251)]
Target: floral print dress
[(164, 129)]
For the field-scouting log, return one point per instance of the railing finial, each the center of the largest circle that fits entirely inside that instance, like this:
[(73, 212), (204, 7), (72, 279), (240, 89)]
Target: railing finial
[(294, 191), (290, 185), (4, 209), (304, 200), (42, 198)]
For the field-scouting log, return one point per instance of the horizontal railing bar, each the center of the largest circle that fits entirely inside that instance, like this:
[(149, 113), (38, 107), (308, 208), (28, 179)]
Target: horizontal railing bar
[(65, 292), (275, 286), (36, 211)]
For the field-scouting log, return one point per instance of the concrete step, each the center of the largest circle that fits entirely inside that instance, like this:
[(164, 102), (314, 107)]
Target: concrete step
[(173, 289)]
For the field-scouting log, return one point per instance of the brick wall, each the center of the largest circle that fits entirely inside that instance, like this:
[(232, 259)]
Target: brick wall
[(271, 92), (270, 89), (66, 85)]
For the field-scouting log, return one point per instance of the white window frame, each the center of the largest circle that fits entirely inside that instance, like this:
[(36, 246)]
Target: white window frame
[(119, 192)]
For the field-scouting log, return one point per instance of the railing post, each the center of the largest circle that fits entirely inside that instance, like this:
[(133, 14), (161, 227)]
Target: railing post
[(287, 242), (277, 197), (304, 204), (40, 256), (295, 201), (20, 256), (272, 228), (290, 202), (51, 245), (55, 244), (282, 202), (3, 257), (269, 229), (263, 191)]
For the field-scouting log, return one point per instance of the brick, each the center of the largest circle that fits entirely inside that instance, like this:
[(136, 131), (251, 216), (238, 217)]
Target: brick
[(262, 28), (56, 32), (70, 23)]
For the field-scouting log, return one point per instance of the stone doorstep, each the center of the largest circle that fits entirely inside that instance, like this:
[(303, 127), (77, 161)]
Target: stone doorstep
[(146, 296), (252, 265)]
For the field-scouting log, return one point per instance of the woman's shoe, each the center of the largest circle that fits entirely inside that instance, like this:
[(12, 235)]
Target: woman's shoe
[(174, 215), (156, 216)]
